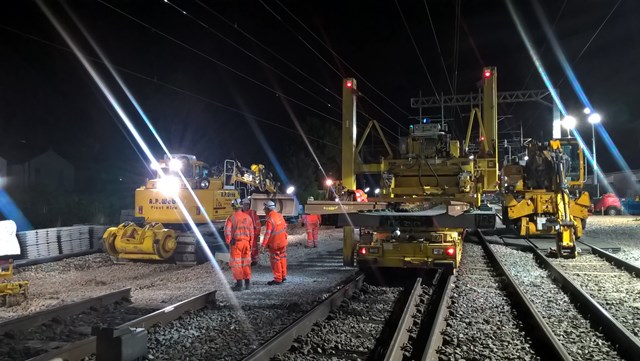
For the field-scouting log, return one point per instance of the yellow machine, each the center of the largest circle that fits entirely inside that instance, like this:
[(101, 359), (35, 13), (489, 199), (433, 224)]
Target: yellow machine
[(11, 293), (166, 235), (428, 193), (545, 196)]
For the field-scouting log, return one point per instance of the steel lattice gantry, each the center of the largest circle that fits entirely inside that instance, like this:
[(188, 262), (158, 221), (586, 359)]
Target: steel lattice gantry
[(474, 99)]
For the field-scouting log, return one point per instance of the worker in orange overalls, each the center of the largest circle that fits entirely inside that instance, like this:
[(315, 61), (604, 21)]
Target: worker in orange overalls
[(238, 233), (312, 222), (255, 250), (275, 239)]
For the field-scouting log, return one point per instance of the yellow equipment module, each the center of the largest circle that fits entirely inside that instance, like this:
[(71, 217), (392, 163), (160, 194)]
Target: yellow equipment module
[(549, 199), (182, 178), (11, 293)]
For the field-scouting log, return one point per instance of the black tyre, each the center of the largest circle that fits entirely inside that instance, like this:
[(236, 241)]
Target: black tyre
[(611, 211)]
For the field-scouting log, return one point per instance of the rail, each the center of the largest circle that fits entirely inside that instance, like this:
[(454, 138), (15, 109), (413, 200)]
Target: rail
[(37, 318), (439, 321), (282, 341), (628, 344), (86, 347), (620, 263), (401, 335), (538, 327)]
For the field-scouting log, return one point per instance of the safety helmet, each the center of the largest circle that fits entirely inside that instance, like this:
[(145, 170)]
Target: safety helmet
[(246, 201), (270, 205), (236, 203)]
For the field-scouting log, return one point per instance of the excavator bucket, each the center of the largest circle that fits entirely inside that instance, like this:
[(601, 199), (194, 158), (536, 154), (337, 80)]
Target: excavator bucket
[(11, 293)]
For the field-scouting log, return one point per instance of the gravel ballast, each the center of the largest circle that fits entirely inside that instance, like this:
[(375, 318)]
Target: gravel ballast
[(620, 230), (481, 323), (617, 291), (570, 328)]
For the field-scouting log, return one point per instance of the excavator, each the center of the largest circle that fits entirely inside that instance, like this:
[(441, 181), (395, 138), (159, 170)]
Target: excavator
[(545, 196), (12, 293), (206, 193)]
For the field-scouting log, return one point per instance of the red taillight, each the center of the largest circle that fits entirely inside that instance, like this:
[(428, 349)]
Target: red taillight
[(349, 83), (487, 74), (139, 209), (363, 251), (450, 251)]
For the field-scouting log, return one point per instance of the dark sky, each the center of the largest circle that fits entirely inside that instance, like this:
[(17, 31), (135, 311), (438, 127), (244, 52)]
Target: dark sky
[(48, 100)]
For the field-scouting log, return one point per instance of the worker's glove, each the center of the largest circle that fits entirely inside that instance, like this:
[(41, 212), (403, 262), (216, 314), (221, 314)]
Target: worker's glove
[(233, 242)]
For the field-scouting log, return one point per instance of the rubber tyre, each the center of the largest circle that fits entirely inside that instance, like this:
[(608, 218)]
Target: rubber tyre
[(611, 211)]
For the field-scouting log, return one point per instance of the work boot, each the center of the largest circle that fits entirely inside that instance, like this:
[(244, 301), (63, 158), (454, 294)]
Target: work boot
[(284, 279), (315, 245), (274, 282), (237, 287), (247, 284)]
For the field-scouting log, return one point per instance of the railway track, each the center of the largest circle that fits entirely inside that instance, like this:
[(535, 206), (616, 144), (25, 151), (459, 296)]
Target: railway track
[(582, 326), (66, 332), (365, 321)]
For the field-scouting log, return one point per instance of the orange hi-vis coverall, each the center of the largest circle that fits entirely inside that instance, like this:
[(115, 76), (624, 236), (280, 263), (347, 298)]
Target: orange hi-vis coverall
[(257, 227), (312, 222), (275, 237), (238, 233)]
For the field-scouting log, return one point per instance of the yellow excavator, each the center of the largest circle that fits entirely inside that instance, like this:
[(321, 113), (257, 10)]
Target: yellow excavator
[(166, 235), (545, 196), (11, 293)]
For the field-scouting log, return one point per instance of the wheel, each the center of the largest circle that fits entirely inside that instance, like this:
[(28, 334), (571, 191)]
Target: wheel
[(611, 211)]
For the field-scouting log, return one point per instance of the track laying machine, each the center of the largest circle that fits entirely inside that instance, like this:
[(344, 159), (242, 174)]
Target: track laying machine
[(166, 235), (545, 196), (430, 192)]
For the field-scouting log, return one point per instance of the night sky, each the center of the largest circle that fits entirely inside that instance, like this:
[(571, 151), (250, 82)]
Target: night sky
[(48, 100)]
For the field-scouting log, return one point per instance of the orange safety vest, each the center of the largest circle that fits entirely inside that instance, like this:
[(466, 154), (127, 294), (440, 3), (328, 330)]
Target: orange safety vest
[(239, 226), (275, 234), (257, 226)]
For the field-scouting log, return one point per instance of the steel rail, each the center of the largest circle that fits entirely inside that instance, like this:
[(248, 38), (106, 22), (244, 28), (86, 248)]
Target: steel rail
[(38, 318), (539, 328), (628, 344), (282, 341), (620, 263), (86, 347), (439, 322), (401, 336)]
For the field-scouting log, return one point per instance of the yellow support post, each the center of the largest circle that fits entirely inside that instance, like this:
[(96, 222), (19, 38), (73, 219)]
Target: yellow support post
[(349, 91)]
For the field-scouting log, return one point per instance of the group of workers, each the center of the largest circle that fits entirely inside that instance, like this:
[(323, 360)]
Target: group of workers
[(242, 233)]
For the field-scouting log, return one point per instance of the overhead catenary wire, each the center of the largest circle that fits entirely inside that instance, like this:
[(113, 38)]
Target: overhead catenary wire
[(188, 14), (268, 49), (591, 39), (341, 59), (217, 61), (164, 84)]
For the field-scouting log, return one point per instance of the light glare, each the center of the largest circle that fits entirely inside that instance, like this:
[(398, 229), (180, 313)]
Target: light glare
[(569, 122), (587, 110), (291, 189), (594, 118)]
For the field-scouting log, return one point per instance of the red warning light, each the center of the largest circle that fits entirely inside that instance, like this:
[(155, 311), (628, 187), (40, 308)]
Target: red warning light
[(487, 74), (363, 251), (450, 251), (349, 84), (482, 138)]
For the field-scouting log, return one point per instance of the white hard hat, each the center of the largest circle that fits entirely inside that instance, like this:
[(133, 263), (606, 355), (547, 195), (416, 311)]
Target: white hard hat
[(270, 204), (236, 203), (246, 201)]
